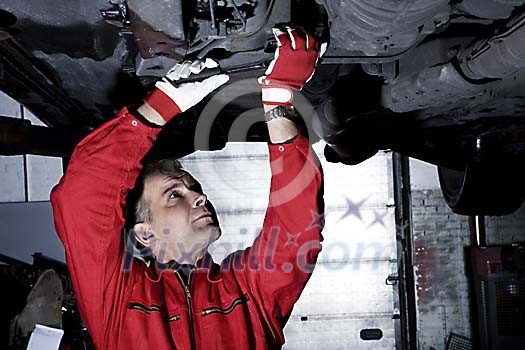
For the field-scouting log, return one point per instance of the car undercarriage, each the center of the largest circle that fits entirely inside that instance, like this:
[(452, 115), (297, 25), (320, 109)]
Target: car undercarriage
[(438, 80)]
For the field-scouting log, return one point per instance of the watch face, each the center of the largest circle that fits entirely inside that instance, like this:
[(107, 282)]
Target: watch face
[(290, 110)]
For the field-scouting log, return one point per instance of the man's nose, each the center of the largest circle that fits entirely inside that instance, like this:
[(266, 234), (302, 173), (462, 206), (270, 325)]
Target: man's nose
[(200, 200)]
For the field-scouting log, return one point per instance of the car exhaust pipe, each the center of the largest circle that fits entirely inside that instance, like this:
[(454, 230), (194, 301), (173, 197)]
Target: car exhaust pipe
[(499, 56), (484, 65)]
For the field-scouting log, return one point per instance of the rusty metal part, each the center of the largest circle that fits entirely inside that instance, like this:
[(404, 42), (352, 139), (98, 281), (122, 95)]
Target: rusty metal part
[(158, 28), (152, 43)]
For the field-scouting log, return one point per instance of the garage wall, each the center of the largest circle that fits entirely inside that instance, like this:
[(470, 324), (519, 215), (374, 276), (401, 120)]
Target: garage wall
[(25, 182), (26, 178), (443, 297), (443, 302), (506, 229), (27, 228)]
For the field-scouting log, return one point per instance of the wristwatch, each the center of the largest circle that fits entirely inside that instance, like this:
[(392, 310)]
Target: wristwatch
[(287, 112)]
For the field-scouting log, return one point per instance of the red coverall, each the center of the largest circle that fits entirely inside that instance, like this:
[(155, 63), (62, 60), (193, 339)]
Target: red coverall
[(242, 304)]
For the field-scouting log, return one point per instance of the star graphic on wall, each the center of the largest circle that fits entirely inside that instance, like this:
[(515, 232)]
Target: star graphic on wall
[(317, 220), (378, 219), (292, 239), (353, 209)]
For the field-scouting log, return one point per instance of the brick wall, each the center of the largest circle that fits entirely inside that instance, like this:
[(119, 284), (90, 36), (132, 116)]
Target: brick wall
[(441, 285), (440, 239), (506, 229)]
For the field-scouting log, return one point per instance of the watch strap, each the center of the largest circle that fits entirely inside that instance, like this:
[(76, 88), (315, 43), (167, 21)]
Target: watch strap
[(287, 112)]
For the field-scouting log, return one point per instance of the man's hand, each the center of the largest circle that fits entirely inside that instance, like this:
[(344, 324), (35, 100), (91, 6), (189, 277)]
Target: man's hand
[(169, 99), (293, 65)]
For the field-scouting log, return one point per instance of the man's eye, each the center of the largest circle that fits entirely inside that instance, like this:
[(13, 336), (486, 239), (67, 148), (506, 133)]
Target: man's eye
[(175, 195)]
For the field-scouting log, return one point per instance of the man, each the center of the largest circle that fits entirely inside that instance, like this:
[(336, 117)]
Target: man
[(184, 301)]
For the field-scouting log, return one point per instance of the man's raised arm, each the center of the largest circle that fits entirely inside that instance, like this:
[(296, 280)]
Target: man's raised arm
[(281, 260), (88, 203)]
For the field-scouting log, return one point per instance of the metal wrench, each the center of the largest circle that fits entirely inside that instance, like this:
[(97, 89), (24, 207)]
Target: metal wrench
[(209, 72)]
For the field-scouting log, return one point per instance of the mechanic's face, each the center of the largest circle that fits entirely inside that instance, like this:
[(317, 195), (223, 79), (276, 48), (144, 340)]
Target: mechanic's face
[(183, 222)]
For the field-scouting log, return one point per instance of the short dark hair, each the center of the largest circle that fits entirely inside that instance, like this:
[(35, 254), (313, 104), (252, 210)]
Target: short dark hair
[(138, 208)]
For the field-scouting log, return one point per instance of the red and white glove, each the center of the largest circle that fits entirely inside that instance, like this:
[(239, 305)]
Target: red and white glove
[(169, 99), (293, 65)]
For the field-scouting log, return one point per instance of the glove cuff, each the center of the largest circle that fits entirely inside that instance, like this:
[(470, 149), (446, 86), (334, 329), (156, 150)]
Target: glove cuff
[(277, 94), (162, 104)]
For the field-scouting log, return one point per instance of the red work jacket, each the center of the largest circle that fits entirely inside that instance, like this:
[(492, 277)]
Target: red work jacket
[(243, 303)]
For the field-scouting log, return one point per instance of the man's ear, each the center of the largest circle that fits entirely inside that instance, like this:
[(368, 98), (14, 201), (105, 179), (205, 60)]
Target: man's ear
[(143, 234)]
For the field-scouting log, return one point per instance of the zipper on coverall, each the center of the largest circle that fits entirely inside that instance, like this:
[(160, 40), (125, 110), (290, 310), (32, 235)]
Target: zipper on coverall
[(188, 301)]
